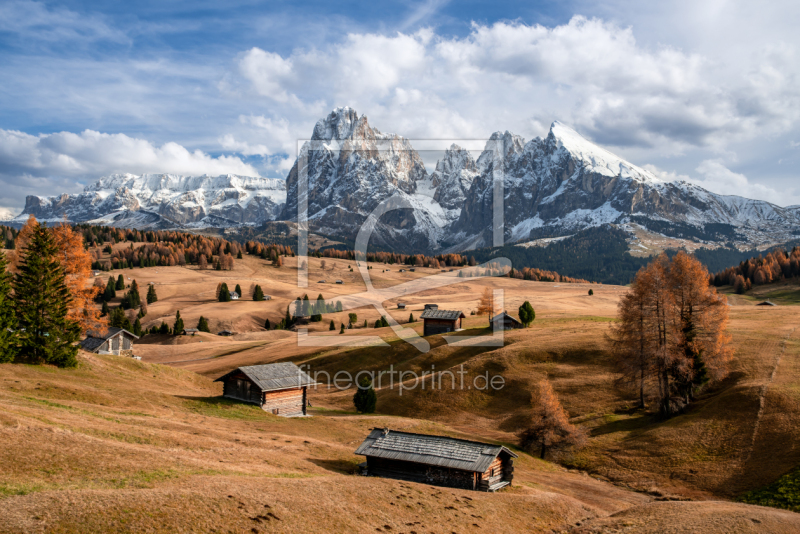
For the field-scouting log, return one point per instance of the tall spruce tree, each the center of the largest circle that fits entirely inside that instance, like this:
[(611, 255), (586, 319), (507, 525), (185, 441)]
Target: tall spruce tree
[(177, 328), (42, 302), (120, 283), (109, 292), (258, 293), (8, 324), (151, 295), (202, 324)]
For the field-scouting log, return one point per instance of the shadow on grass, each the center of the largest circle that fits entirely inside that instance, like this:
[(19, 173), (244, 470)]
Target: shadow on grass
[(625, 425), (346, 467)]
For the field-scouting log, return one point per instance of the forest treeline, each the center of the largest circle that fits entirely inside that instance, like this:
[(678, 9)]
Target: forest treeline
[(774, 266), (442, 261)]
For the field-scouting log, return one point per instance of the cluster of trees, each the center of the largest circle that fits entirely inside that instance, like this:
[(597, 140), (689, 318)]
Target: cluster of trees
[(773, 267), (671, 335), (202, 251), (418, 260), (268, 251), (44, 299)]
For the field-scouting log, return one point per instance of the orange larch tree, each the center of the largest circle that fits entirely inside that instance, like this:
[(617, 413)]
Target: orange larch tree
[(549, 425), (77, 264)]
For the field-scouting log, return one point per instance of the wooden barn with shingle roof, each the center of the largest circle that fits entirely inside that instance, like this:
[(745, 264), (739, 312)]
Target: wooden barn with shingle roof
[(279, 388), (436, 321), (437, 460)]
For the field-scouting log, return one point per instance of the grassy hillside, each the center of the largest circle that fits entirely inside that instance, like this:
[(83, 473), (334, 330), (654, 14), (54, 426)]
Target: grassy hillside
[(121, 445)]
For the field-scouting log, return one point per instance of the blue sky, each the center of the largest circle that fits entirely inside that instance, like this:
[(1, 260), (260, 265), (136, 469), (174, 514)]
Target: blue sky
[(707, 92)]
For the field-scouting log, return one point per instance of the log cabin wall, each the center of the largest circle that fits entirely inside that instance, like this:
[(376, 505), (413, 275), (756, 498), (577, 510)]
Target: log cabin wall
[(500, 470), (424, 474), (285, 402), (238, 386), (440, 326)]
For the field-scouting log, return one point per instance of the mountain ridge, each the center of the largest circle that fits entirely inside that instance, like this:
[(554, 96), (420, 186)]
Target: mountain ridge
[(553, 186)]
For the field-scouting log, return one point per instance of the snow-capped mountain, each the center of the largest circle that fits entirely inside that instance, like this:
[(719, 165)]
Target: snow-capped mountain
[(564, 183), (551, 187), (351, 169), (166, 200)]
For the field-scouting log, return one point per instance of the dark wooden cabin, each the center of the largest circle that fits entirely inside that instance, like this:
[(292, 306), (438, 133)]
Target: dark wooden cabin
[(437, 460), (503, 321), (437, 321), (113, 341), (279, 388)]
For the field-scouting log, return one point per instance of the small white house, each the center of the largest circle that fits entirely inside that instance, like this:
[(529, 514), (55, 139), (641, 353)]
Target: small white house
[(267, 297), (113, 341), (234, 295)]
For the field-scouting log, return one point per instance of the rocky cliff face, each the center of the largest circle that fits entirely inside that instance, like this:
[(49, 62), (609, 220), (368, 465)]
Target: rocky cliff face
[(563, 183), (351, 169), (551, 187)]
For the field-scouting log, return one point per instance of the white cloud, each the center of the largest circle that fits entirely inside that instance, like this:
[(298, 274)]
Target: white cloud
[(590, 73), (54, 163)]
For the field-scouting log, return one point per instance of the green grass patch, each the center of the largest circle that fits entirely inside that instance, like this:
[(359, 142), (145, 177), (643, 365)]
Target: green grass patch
[(227, 409), (783, 493), (10, 489)]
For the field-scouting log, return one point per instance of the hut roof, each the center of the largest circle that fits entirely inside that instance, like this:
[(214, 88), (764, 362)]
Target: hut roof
[(502, 316), (112, 331), (766, 303), (274, 376), (450, 315), (431, 450)]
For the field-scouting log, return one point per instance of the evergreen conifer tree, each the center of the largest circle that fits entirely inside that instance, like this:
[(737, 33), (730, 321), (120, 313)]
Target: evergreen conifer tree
[(164, 328), (224, 293), (410, 317), (177, 328), (120, 283), (104, 310), (109, 292), (202, 324), (7, 316), (258, 293), (332, 327), (341, 330), (266, 324), (365, 398), (151, 295), (238, 289), (42, 301), (137, 328)]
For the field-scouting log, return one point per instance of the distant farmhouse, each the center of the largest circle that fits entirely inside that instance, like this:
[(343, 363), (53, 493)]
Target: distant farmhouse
[(234, 295), (436, 321), (190, 331), (279, 388), (115, 341), (503, 321), (437, 460)]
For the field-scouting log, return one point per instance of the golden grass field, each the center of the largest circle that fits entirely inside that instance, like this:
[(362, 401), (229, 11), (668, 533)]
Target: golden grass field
[(149, 446)]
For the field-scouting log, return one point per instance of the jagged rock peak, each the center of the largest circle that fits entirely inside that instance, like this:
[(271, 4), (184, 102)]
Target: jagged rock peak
[(455, 159), (343, 123)]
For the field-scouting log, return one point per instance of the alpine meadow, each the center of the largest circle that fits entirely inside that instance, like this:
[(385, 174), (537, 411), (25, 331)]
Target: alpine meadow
[(431, 267)]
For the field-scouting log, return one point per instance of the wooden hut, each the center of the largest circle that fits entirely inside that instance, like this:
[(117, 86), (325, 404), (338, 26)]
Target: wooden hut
[(401, 306), (437, 460), (279, 388), (114, 341), (190, 331), (225, 333), (435, 321), (503, 321), (766, 303)]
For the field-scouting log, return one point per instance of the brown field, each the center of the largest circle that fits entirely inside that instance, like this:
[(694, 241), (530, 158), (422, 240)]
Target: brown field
[(123, 445)]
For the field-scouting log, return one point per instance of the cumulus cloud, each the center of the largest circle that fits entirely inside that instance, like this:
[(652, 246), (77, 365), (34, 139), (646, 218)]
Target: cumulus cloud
[(55, 163), (590, 73)]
